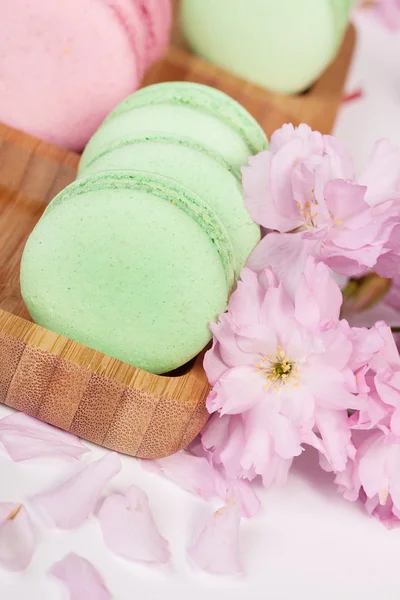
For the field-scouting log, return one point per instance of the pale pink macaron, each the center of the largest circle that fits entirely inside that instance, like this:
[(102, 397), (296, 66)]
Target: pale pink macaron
[(65, 65)]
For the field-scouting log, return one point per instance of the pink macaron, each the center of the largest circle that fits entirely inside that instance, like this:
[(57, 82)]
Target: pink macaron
[(64, 66)]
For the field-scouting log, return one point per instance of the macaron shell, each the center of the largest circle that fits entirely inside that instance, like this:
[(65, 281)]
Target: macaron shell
[(202, 98), (341, 13), (62, 70), (158, 17), (184, 121), (283, 46), (199, 171), (103, 267), (131, 18)]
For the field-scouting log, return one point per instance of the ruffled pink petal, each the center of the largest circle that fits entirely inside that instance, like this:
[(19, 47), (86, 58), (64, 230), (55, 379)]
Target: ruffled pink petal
[(216, 550), (260, 181), (237, 390), (328, 386), (17, 540), (25, 437), (68, 505), (318, 297), (213, 363), (285, 254), (373, 455), (367, 343), (345, 199), (334, 427), (129, 529), (82, 580), (245, 302)]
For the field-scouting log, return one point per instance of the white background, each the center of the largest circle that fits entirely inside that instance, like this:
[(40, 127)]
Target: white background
[(308, 543)]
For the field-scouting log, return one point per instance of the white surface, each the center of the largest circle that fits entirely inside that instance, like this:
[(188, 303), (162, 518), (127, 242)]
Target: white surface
[(308, 543)]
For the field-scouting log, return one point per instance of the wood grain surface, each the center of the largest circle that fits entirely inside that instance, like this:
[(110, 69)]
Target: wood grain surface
[(69, 385)]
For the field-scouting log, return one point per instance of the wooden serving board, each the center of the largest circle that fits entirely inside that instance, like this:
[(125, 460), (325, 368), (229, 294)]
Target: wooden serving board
[(69, 385)]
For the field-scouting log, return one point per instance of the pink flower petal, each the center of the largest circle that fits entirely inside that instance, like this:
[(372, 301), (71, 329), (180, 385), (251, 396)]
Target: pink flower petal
[(334, 428), (193, 473), (257, 179), (68, 505), (129, 529), (285, 254), (17, 541), (81, 578), (318, 297), (216, 550), (237, 390), (25, 437)]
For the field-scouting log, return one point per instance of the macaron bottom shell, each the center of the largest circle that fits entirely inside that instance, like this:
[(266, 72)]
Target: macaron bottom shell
[(127, 272)]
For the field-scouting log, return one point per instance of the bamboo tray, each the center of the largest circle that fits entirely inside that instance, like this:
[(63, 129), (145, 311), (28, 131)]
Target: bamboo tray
[(69, 385)]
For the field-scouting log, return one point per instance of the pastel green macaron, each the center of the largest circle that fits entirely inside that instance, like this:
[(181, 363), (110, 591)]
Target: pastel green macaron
[(204, 114), (283, 45), (201, 171), (132, 264)]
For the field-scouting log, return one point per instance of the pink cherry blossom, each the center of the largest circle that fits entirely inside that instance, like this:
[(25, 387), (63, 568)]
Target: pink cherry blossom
[(17, 540), (374, 477), (68, 505), (82, 580), (25, 437), (129, 529), (216, 549), (303, 191), (284, 374)]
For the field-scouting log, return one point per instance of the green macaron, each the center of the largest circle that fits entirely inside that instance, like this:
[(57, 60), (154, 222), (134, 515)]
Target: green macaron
[(132, 264), (203, 172), (208, 116), (283, 45)]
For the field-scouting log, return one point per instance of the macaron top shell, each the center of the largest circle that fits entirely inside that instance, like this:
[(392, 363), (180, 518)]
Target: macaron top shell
[(205, 99), (199, 170), (102, 267), (157, 15)]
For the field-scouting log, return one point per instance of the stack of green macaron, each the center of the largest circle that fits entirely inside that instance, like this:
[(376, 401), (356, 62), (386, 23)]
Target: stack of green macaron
[(140, 254)]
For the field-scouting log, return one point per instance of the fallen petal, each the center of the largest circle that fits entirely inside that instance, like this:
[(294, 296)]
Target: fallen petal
[(81, 578), (129, 529), (193, 473), (17, 539), (217, 548), (25, 437), (68, 505)]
